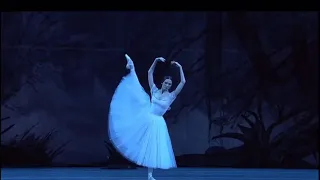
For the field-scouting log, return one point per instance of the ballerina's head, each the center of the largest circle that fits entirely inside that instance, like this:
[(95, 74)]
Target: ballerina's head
[(167, 83)]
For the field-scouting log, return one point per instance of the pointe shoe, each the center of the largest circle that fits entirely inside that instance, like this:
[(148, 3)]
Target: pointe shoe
[(129, 62), (151, 178)]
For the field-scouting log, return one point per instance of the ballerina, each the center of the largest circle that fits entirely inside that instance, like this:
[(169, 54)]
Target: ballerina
[(137, 128)]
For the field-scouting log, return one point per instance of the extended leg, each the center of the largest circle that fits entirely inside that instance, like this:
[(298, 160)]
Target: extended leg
[(129, 62)]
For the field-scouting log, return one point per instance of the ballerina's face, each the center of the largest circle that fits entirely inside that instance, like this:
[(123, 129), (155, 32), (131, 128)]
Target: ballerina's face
[(166, 84)]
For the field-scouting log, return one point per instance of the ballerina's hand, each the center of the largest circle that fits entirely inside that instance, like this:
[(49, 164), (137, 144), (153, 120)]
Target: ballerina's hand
[(160, 59), (176, 63)]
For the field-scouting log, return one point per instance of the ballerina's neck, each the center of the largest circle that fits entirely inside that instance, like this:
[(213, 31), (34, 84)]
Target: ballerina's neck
[(163, 91)]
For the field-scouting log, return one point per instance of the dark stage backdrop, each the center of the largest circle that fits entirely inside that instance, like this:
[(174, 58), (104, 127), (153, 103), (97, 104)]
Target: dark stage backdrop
[(251, 98)]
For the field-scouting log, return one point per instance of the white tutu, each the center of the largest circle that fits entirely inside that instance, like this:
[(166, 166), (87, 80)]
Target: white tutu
[(136, 126)]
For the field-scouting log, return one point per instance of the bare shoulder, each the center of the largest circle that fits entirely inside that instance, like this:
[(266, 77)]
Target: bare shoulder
[(172, 95)]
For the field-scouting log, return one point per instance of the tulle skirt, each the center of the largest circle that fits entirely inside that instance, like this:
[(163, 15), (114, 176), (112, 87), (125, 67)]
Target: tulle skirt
[(137, 134)]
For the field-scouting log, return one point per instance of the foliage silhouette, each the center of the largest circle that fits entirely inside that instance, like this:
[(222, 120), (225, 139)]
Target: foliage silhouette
[(285, 150), (24, 58), (116, 160), (7, 128), (29, 150)]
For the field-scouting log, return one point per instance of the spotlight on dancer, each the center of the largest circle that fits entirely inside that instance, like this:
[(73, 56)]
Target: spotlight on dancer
[(137, 128)]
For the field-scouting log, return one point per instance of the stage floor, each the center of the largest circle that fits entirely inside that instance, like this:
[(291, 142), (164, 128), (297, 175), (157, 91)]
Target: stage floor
[(141, 174)]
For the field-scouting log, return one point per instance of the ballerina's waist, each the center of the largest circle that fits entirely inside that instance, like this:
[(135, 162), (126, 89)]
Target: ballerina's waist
[(158, 111)]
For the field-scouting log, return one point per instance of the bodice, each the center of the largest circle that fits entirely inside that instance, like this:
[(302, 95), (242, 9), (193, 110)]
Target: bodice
[(160, 106)]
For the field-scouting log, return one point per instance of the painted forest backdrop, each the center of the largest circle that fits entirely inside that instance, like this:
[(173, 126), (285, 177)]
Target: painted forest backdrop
[(251, 98)]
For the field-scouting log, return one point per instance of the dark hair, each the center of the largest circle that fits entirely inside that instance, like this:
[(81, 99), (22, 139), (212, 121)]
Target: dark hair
[(167, 77)]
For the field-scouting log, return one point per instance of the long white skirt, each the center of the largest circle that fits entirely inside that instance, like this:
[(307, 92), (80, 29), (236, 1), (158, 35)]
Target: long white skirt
[(138, 135)]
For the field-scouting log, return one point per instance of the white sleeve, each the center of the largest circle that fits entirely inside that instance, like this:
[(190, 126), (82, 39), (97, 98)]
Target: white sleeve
[(154, 89)]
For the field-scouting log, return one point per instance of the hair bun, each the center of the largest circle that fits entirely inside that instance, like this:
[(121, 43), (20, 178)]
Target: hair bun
[(167, 77)]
